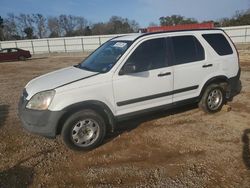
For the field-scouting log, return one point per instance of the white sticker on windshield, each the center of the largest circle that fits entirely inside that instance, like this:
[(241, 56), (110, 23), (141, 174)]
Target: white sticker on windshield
[(120, 44)]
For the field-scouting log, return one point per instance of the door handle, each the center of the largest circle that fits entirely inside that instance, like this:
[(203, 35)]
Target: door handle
[(164, 74), (208, 65)]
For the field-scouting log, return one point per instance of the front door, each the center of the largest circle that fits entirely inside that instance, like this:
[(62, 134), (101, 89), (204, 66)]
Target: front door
[(150, 84)]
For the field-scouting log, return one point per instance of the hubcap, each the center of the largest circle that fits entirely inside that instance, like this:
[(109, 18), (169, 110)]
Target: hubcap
[(214, 99), (85, 132)]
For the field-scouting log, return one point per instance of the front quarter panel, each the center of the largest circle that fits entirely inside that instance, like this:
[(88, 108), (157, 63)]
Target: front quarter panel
[(96, 88)]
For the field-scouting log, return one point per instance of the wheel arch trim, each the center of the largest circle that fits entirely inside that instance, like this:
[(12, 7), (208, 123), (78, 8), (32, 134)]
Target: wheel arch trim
[(216, 79), (98, 106)]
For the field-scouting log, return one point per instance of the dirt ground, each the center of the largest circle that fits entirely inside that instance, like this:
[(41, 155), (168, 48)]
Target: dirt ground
[(177, 148)]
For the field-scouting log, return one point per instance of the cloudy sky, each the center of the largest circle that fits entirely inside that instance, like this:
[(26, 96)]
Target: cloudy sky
[(143, 11)]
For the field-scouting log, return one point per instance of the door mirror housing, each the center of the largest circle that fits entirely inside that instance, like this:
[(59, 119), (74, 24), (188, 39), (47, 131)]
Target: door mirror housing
[(127, 69)]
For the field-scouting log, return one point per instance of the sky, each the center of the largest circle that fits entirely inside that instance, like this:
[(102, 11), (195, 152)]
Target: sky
[(143, 11)]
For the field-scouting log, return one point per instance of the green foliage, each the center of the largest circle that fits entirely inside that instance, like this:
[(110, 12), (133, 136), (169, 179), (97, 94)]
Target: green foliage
[(28, 26), (1, 28), (240, 18), (22, 26), (1, 22), (29, 32), (176, 20), (115, 25)]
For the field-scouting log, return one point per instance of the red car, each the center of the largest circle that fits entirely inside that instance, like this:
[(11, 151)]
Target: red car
[(8, 54)]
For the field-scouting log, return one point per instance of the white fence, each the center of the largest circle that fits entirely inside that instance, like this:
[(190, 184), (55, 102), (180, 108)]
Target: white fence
[(239, 34), (64, 44)]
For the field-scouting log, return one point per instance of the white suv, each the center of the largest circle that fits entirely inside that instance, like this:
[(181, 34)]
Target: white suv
[(130, 75)]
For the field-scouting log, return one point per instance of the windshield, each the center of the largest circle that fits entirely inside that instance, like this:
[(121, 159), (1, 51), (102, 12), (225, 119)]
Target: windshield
[(105, 57)]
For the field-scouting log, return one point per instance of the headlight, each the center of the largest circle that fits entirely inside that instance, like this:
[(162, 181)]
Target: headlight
[(41, 101)]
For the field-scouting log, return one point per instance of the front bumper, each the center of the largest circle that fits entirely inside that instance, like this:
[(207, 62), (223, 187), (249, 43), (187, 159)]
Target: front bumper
[(42, 122)]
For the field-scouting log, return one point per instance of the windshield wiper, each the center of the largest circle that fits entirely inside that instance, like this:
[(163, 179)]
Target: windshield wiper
[(87, 68), (77, 65)]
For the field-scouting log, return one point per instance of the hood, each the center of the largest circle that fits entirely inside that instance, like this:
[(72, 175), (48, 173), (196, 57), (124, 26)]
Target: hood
[(56, 79)]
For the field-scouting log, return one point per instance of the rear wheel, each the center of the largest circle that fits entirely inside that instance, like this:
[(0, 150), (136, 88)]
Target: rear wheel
[(84, 130), (213, 99), (22, 58)]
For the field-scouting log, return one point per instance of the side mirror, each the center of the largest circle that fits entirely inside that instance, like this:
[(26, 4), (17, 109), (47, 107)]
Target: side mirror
[(127, 69)]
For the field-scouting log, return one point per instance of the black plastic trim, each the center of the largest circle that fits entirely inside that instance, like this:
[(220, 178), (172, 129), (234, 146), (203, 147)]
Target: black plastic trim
[(164, 74), (216, 79), (206, 66), (95, 105), (158, 108), (235, 85), (150, 97), (41, 122)]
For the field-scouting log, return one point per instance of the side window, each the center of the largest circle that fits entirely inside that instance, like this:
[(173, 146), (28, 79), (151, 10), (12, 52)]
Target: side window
[(4, 51), (219, 43), (187, 49), (149, 55), (13, 50)]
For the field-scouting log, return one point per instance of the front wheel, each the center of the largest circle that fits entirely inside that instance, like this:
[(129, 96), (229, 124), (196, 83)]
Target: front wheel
[(213, 99), (84, 130)]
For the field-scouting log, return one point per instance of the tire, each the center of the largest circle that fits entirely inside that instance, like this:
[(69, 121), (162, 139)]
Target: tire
[(22, 58), (212, 99), (84, 130)]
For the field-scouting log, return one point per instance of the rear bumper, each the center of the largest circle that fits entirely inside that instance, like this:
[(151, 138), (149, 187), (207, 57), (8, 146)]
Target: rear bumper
[(42, 122), (235, 86)]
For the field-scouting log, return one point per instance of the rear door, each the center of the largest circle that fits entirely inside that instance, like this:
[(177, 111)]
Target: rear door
[(191, 66), (150, 85), (15, 53), (11, 54)]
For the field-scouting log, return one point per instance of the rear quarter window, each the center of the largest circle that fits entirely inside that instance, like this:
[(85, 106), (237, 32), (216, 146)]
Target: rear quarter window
[(219, 43)]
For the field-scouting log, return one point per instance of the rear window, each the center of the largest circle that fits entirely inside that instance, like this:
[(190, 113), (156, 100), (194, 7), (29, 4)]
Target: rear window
[(187, 49), (219, 43)]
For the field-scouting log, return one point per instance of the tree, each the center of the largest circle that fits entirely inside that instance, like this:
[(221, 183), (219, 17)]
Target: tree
[(115, 25), (40, 25), (118, 25), (29, 33), (240, 18), (11, 31), (134, 25), (24, 21), (68, 23), (54, 27), (152, 24), (1, 29), (82, 26), (87, 31), (176, 20), (99, 29)]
